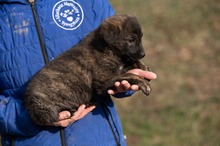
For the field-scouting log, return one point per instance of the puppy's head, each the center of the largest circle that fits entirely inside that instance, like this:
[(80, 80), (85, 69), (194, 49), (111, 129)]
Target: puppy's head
[(123, 33)]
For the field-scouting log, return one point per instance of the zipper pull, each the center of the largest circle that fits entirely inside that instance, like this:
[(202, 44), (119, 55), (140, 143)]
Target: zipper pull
[(31, 1)]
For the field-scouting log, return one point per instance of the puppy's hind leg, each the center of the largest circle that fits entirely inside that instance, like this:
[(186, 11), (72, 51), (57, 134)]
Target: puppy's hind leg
[(41, 114), (44, 116)]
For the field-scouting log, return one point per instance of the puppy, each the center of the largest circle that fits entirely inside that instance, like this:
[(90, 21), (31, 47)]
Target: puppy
[(90, 68)]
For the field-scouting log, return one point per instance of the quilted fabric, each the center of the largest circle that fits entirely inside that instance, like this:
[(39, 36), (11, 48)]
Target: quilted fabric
[(63, 24)]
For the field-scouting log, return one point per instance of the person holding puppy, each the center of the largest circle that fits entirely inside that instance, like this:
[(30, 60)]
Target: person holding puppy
[(33, 33)]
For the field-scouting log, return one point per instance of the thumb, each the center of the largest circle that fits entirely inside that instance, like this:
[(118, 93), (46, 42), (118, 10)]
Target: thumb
[(145, 74), (64, 115)]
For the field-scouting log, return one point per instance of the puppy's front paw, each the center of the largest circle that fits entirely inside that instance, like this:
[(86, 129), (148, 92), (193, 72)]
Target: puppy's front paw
[(145, 88)]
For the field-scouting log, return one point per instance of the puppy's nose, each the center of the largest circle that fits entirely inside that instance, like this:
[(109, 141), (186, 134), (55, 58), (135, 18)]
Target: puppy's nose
[(142, 54)]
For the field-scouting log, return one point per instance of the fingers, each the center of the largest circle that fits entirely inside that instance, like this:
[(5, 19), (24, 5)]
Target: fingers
[(64, 123), (64, 115), (145, 74), (79, 111), (125, 85), (82, 111), (66, 119), (122, 87), (111, 92), (134, 87)]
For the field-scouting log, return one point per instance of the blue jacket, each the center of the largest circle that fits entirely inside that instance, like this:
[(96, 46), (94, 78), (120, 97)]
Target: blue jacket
[(62, 24)]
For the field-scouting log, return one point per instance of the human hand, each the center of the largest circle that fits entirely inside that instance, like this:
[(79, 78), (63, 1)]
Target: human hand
[(125, 85), (66, 119)]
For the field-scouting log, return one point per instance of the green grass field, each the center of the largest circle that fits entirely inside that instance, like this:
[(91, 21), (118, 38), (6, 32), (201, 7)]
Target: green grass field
[(182, 42)]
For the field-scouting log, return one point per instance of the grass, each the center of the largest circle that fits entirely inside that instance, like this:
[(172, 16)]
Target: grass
[(182, 45)]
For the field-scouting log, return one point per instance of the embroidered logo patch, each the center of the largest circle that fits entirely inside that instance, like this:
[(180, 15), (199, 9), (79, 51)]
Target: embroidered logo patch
[(68, 14)]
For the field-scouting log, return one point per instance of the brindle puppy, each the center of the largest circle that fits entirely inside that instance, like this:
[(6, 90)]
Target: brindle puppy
[(91, 67)]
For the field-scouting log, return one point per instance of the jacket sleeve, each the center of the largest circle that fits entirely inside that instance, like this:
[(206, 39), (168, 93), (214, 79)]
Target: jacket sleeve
[(14, 118), (124, 94)]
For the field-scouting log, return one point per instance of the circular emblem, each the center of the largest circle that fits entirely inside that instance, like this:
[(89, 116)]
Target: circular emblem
[(68, 14)]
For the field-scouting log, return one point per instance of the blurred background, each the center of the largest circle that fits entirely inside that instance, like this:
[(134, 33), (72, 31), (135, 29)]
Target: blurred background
[(182, 42)]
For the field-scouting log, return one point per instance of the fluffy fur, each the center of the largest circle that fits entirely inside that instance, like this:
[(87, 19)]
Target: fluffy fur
[(89, 68)]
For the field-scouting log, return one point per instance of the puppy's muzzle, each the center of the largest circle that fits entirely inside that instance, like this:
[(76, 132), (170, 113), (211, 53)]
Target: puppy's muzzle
[(137, 55)]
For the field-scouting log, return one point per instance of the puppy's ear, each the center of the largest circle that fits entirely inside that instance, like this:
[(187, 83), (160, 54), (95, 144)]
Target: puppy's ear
[(109, 33)]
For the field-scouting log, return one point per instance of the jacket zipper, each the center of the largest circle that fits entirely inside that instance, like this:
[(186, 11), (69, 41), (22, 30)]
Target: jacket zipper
[(46, 60), (115, 134), (39, 31), (43, 49)]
